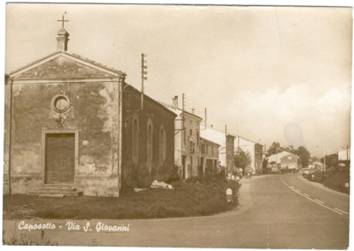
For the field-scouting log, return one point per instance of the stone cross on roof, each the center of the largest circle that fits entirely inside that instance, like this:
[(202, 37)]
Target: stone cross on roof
[(62, 20)]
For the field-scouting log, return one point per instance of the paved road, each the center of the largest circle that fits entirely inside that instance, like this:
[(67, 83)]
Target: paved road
[(276, 211)]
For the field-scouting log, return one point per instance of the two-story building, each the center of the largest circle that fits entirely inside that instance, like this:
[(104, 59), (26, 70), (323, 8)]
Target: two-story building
[(254, 151), (226, 148), (187, 140), (284, 161), (209, 157)]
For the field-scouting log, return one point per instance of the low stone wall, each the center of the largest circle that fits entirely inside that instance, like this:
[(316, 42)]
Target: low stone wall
[(25, 184)]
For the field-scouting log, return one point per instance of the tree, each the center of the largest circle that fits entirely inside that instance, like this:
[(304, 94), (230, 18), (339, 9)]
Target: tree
[(304, 155), (242, 159), (274, 148), (291, 149)]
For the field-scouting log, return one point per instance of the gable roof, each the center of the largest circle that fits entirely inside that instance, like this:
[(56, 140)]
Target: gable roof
[(290, 156), (209, 141), (64, 65), (278, 156), (214, 136), (132, 88), (179, 111)]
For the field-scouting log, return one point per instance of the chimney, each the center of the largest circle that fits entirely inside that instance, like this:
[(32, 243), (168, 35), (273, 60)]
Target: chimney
[(193, 110), (175, 101), (62, 40)]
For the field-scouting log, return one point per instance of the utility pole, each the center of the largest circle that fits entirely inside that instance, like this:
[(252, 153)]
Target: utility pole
[(238, 143), (205, 118), (184, 137), (143, 78)]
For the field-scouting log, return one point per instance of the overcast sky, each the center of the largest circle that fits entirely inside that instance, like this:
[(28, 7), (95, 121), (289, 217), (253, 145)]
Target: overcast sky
[(270, 73)]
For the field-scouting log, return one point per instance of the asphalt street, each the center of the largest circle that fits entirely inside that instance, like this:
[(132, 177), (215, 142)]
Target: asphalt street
[(276, 211)]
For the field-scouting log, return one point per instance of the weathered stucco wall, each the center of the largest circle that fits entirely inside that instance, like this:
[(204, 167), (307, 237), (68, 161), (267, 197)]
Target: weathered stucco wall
[(94, 114)]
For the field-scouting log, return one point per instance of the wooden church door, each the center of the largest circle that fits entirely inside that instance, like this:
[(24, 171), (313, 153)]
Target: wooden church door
[(59, 158)]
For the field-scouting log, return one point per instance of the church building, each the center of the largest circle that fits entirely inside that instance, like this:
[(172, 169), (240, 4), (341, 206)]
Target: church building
[(75, 127)]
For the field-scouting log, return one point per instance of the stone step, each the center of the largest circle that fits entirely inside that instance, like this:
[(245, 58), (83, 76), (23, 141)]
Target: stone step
[(58, 185), (58, 194), (52, 195), (57, 190), (53, 191), (49, 188)]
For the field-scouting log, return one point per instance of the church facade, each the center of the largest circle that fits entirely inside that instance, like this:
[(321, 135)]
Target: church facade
[(65, 131)]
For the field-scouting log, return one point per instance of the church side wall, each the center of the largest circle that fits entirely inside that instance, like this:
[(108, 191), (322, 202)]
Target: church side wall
[(94, 116), (137, 171)]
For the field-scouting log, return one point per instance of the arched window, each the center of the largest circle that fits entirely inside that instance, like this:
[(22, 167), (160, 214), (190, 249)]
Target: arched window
[(162, 145), (149, 141), (135, 140)]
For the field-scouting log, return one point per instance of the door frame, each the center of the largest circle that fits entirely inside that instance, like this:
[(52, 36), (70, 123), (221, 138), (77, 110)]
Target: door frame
[(45, 132)]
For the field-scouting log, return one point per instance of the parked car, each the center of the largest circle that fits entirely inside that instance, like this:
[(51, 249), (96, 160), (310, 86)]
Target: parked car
[(274, 168), (307, 172), (317, 176)]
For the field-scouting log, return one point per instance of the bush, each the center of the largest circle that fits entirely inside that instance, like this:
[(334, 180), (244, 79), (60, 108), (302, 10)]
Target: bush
[(173, 174), (337, 181), (193, 197)]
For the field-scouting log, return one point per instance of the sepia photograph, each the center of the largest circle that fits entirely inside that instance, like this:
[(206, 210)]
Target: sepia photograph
[(177, 125)]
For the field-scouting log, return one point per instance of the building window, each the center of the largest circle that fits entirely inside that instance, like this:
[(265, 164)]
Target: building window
[(192, 147), (162, 145), (61, 103), (135, 140), (149, 141)]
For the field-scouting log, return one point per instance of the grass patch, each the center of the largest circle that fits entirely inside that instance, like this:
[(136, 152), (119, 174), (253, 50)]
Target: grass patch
[(22, 240), (194, 197)]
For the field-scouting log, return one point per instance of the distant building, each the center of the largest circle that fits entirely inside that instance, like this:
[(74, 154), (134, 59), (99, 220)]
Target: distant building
[(187, 140), (226, 148), (284, 161), (258, 157), (344, 158), (318, 165), (209, 156), (230, 153), (254, 150), (344, 155)]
